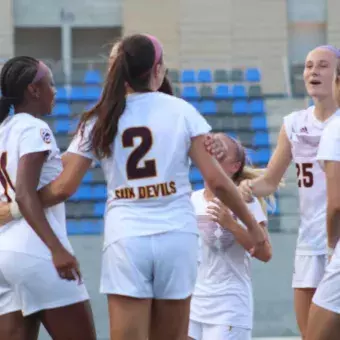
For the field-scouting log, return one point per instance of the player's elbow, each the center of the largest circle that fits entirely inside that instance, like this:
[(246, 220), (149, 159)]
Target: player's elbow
[(265, 255), (23, 196)]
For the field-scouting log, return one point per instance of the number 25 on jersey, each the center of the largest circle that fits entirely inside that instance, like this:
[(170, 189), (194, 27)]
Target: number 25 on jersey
[(305, 175), (5, 181)]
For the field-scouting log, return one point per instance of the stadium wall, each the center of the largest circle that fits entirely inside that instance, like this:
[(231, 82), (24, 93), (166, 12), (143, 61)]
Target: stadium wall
[(333, 27), (6, 30), (217, 33)]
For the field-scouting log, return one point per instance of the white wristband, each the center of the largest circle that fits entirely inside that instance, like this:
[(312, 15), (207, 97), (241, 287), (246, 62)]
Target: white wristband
[(330, 251), (15, 211)]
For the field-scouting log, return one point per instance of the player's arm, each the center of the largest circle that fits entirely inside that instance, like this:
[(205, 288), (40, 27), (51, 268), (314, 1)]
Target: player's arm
[(268, 183), (28, 175), (67, 183), (329, 157), (332, 169), (223, 188)]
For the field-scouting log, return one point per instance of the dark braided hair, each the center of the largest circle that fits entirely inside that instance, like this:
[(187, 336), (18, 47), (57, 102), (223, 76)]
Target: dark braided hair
[(16, 75), (132, 65)]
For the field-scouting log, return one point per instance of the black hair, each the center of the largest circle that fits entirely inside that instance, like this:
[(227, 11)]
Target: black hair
[(16, 74), (132, 66)]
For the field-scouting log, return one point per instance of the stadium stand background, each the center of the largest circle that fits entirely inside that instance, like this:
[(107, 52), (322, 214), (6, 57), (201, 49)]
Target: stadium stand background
[(238, 61)]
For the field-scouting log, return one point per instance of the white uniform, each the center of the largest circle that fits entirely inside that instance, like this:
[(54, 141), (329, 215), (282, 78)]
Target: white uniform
[(28, 278), (222, 302), (327, 294), (149, 195), (304, 133)]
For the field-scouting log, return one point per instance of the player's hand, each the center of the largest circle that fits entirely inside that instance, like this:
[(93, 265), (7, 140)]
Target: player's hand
[(215, 146), (66, 265), (246, 191), (5, 213), (219, 213)]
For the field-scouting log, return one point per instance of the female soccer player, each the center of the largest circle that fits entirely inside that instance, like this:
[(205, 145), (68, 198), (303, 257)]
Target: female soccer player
[(324, 317), (222, 302), (35, 249), (298, 141), (143, 140)]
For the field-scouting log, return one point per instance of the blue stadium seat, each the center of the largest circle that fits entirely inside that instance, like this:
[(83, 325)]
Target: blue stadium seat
[(190, 92), (88, 178), (93, 77), (61, 94), (222, 92), (240, 107), (85, 227), (195, 175), (89, 106), (232, 134), (253, 75), (78, 93), (261, 156), (256, 106), (99, 209), (204, 76), (92, 93), (239, 91), (62, 126), (188, 76), (197, 186), (259, 123), (90, 193), (208, 107), (195, 104), (62, 109), (261, 139)]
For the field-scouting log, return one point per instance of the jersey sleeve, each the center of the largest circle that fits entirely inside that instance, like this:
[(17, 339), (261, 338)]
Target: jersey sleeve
[(36, 138), (256, 209), (288, 122), (329, 147), (195, 122), (79, 144)]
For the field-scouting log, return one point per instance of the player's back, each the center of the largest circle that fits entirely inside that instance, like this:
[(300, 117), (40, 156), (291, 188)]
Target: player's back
[(148, 173), (21, 135)]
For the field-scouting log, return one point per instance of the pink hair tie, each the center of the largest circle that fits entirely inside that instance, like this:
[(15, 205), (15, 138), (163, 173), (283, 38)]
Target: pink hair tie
[(42, 71), (158, 48)]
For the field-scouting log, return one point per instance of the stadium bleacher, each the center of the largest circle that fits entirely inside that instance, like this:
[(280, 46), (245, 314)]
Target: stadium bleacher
[(231, 101)]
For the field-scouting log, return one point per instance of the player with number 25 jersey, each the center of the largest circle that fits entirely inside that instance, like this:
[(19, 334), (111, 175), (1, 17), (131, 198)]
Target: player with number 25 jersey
[(304, 132)]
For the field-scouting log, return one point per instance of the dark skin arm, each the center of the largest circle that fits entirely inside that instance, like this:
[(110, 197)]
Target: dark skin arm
[(28, 175)]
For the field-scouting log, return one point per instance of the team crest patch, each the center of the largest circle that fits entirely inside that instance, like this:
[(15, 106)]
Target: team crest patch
[(46, 135)]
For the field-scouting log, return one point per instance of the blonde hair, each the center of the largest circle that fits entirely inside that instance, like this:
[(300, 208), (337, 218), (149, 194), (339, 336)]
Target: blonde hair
[(247, 172)]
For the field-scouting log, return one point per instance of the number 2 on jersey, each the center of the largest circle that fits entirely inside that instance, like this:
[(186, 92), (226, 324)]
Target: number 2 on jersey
[(133, 169), (5, 180), (305, 175)]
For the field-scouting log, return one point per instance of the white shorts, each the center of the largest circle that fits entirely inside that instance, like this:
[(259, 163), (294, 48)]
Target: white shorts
[(9, 301), (36, 285), (162, 266), (308, 270), (327, 295), (204, 331)]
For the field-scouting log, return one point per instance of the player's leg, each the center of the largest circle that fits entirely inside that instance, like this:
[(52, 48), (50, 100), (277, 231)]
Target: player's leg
[(308, 272), (323, 324), (175, 270), (302, 303), (13, 326), (324, 318), (126, 279)]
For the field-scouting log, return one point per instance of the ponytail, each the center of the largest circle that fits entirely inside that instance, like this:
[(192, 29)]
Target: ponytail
[(166, 87), (5, 107)]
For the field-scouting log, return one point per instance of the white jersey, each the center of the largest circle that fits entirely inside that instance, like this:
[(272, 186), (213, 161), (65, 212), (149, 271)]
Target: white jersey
[(20, 135), (148, 173), (223, 292), (329, 150), (304, 133)]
